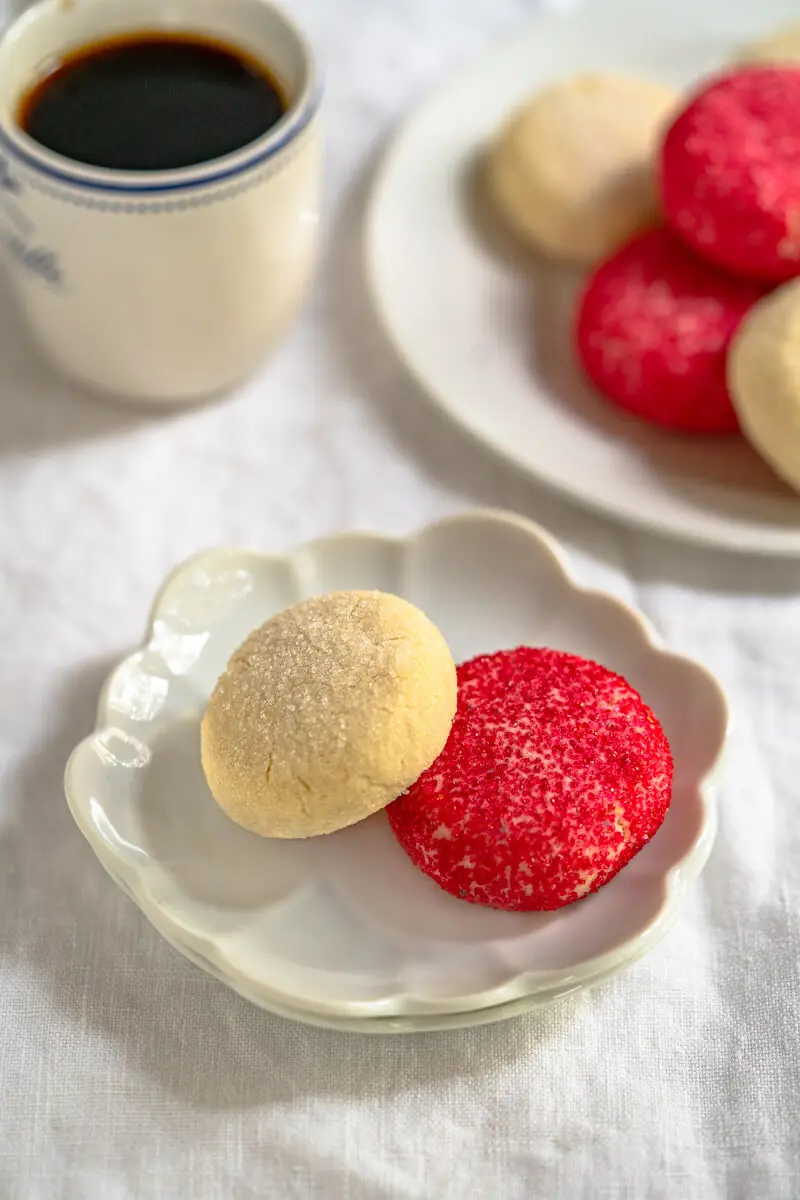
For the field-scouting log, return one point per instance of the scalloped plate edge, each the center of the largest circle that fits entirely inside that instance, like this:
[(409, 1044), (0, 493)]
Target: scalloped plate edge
[(526, 991)]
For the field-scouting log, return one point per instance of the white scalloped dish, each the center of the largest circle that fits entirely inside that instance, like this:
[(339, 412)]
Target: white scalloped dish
[(343, 931)]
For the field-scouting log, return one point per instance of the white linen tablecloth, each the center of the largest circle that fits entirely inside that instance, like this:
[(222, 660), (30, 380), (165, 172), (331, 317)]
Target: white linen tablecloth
[(126, 1073)]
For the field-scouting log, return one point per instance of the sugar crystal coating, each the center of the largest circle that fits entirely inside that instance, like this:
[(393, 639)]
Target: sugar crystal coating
[(730, 173), (652, 331), (554, 775), (326, 713)]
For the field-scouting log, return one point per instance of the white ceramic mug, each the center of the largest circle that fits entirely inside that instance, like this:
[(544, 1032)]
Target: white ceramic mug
[(162, 287)]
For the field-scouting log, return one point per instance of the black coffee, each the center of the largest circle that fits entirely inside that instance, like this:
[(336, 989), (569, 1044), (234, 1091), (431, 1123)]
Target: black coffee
[(152, 102)]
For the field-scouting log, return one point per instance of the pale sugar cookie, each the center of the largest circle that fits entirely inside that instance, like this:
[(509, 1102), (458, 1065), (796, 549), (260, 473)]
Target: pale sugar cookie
[(780, 46), (764, 380), (571, 171), (327, 713)]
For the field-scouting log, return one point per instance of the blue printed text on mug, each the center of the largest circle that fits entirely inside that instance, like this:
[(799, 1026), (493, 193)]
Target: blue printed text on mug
[(36, 259)]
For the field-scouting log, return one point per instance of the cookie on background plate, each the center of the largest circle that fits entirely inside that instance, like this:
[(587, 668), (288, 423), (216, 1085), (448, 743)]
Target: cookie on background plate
[(781, 47), (764, 380), (652, 332), (730, 173), (571, 172)]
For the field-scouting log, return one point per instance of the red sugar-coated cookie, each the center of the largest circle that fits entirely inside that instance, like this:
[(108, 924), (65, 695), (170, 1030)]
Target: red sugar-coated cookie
[(652, 331), (554, 775), (730, 173)]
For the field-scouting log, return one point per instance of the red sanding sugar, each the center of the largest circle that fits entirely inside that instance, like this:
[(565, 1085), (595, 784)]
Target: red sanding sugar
[(653, 329), (730, 172), (554, 775)]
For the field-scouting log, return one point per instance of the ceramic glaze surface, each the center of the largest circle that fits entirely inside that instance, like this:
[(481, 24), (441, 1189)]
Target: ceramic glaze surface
[(343, 930)]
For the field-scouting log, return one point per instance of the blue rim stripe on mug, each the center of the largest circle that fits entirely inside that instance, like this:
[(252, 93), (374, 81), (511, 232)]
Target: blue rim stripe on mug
[(297, 122)]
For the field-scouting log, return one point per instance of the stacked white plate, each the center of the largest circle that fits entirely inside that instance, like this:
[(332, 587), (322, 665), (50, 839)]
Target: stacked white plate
[(343, 931)]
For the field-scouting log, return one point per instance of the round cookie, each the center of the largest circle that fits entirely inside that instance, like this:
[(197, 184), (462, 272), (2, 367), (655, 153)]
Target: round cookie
[(327, 713), (730, 173), (764, 379), (782, 47), (554, 775), (571, 172), (652, 331)]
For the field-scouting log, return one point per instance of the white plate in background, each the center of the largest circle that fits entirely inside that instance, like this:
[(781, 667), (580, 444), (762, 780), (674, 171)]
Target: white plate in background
[(487, 337)]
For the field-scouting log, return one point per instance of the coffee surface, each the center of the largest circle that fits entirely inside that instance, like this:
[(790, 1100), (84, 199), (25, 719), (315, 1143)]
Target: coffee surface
[(153, 102)]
